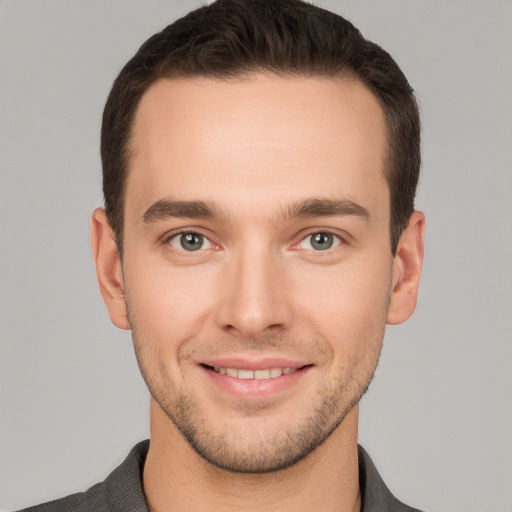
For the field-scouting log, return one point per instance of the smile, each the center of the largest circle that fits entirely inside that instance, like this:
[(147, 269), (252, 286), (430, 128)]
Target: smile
[(254, 379), (269, 373)]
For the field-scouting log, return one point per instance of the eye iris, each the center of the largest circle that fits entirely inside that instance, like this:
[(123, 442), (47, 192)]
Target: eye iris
[(191, 241), (322, 241)]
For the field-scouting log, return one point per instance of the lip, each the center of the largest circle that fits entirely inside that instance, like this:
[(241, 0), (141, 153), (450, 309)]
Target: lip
[(254, 364), (254, 389)]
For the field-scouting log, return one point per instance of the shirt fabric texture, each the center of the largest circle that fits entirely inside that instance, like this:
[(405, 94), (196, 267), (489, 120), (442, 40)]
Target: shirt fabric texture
[(122, 490)]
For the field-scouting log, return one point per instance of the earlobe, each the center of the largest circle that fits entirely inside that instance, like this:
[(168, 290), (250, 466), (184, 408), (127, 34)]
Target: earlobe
[(407, 266), (108, 268)]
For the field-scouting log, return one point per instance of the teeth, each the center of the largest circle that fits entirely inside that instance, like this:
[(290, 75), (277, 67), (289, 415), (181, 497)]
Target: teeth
[(276, 372), (270, 373), (232, 372), (245, 374)]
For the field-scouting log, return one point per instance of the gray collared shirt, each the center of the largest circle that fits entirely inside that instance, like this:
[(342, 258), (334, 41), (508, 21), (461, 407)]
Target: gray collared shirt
[(122, 490)]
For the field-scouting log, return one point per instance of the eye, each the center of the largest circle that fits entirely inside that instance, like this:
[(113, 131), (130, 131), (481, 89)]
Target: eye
[(190, 242), (320, 241)]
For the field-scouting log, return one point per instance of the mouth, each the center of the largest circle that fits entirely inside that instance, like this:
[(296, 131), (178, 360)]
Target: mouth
[(255, 378), (250, 380), (260, 374)]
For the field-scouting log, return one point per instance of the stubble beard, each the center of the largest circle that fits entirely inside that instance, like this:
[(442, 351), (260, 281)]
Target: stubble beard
[(232, 451), (236, 451)]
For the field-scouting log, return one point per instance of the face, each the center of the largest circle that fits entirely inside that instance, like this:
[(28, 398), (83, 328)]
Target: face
[(257, 268)]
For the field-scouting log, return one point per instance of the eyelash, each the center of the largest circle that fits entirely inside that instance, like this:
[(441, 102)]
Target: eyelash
[(167, 240), (337, 241)]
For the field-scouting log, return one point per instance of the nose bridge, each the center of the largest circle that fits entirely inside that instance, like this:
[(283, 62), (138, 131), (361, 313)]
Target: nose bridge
[(254, 298)]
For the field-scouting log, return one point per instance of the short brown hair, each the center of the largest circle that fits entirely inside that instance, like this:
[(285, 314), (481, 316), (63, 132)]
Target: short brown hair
[(230, 38)]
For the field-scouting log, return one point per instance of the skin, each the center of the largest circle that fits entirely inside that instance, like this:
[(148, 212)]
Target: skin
[(249, 157)]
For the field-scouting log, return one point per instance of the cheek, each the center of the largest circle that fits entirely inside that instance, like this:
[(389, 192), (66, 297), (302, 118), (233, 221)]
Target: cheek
[(170, 304), (346, 303), (351, 316)]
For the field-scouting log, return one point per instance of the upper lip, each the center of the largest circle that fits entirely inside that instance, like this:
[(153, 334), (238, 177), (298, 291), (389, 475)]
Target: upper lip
[(241, 363)]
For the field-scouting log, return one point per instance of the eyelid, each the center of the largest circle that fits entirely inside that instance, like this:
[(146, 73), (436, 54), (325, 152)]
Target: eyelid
[(342, 240), (166, 239)]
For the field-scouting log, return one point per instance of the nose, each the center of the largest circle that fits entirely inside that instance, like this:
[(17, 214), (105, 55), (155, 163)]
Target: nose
[(255, 297)]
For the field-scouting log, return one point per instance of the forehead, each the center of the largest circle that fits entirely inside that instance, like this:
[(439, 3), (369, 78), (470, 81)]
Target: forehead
[(258, 137)]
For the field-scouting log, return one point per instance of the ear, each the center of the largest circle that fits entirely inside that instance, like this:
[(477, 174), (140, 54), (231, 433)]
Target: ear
[(108, 268), (407, 266)]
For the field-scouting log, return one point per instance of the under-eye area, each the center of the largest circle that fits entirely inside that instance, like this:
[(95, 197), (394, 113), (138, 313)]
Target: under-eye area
[(267, 373)]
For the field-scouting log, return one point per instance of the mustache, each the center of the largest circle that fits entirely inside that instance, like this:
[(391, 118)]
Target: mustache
[(283, 344), (311, 349)]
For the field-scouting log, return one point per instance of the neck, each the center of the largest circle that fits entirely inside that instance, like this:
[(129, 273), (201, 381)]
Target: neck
[(176, 478)]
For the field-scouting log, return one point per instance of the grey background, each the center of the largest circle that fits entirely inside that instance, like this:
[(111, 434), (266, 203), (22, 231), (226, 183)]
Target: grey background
[(438, 417)]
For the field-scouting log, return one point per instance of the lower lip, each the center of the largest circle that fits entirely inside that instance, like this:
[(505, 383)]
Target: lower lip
[(255, 388)]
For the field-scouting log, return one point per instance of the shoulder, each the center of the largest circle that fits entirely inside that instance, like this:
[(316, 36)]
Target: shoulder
[(121, 490), (93, 499), (376, 495)]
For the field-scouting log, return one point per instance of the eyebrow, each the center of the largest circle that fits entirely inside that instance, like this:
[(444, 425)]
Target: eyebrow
[(165, 208), (308, 208), (321, 207)]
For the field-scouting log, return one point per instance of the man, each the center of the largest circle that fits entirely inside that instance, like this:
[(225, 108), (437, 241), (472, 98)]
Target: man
[(260, 161)]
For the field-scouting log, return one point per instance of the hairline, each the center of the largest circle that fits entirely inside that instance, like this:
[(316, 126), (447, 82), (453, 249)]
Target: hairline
[(346, 75)]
